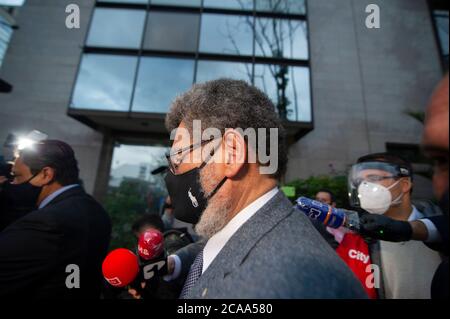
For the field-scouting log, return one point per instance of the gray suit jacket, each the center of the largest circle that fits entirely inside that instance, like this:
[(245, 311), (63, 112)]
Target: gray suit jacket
[(277, 253)]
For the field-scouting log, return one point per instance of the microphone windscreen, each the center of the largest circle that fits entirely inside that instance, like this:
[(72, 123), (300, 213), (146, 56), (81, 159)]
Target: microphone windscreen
[(120, 267), (151, 244)]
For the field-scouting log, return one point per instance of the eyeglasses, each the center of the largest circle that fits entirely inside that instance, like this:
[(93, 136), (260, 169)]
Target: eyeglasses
[(374, 179), (176, 158)]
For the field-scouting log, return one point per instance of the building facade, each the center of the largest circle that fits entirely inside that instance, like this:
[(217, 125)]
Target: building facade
[(342, 89)]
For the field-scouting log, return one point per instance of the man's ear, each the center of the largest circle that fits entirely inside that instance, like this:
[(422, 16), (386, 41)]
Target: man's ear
[(235, 152), (406, 185), (47, 176)]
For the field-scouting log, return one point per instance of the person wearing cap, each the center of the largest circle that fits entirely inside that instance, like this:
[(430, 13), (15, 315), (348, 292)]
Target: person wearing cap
[(381, 184)]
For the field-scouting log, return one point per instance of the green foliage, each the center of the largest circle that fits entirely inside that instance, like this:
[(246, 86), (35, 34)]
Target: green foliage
[(124, 205), (310, 186)]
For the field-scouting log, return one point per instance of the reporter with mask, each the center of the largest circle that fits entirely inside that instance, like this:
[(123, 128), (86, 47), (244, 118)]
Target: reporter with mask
[(381, 184), (432, 230), (68, 228)]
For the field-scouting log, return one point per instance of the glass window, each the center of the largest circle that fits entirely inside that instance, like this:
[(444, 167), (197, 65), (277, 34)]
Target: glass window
[(288, 87), (441, 21), (226, 34), (281, 6), (5, 36), (185, 3), (126, 1), (12, 3), (172, 31), (229, 4), (116, 28), (160, 80), (212, 70), (104, 82), (281, 38), (133, 190)]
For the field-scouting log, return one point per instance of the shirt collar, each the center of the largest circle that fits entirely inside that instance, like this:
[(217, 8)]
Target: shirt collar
[(415, 214), (218, 241), (53, 195)]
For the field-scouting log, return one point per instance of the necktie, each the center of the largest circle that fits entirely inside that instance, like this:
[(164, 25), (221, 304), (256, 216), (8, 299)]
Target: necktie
[(194, 273)]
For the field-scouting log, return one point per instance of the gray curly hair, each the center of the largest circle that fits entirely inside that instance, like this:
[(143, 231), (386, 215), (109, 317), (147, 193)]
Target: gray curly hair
[(227, 103)]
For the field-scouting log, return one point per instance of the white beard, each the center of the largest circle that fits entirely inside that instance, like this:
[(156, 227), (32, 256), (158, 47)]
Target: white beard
[(214, 217)]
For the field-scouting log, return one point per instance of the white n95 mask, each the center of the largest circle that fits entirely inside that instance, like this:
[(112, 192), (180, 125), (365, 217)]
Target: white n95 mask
[(375, 198)]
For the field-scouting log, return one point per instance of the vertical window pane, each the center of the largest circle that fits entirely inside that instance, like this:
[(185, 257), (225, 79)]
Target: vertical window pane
[(104, 82), (186, 3), (160, 80), (229, 4), (441, 20), (282, 6), (116, 28), (12, 3), (5, 36), (281, 38), (212, 70), (172, 31), (288, 87), (227, 34)]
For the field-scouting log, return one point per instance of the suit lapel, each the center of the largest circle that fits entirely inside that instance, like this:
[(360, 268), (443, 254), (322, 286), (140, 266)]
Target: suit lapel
[(240, 244)]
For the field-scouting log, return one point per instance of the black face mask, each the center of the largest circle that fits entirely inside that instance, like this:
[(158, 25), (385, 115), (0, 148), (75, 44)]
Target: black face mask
[(21, 197), (187, 196)]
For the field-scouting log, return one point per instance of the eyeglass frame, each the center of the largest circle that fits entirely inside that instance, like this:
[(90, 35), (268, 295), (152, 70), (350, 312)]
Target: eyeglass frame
[(189, 148), (379, 179)]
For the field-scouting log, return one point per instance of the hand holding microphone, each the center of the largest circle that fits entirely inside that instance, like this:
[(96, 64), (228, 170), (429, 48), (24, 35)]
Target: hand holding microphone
[(151, 252), (384, 228), (123, 268), (371, 225), (328, 215)]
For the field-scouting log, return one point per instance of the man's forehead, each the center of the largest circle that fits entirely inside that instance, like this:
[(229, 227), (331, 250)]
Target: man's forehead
[(185, 136), (323, 194)]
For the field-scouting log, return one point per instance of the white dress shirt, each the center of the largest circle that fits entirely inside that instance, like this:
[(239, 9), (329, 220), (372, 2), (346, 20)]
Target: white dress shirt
[(218, 241), (433, 234)]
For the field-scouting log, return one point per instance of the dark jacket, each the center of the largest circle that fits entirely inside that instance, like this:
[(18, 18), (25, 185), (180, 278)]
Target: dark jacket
[(73, 229)]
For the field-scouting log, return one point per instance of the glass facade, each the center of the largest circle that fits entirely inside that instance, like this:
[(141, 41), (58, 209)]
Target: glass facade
[(125, 32), (172, 31), (154, 50), (12, 3), (158, 79), (105, 82), (5, 36), (441, 23)]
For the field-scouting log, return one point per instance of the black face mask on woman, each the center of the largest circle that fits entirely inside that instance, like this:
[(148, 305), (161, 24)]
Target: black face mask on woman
[(187, 196), (21, 197)]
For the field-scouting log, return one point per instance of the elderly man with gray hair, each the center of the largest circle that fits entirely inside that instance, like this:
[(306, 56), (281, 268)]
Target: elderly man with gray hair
[(229, 152)]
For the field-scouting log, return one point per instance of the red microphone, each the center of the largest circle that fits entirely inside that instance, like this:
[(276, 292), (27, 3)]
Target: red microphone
[(120, 267), (151, 244)]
